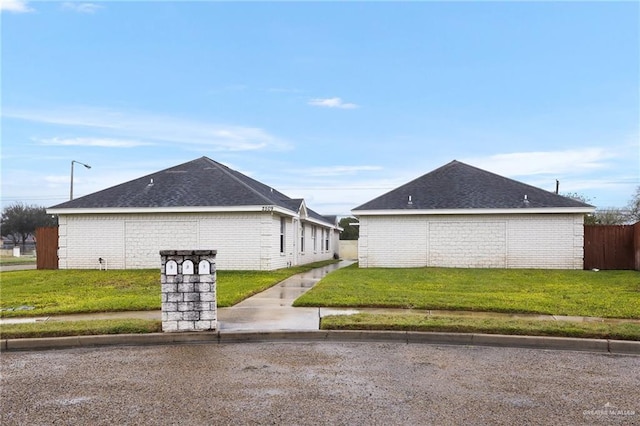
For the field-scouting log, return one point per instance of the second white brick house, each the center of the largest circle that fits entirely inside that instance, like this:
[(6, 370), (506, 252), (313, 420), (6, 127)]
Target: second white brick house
[(201, 204), (462, 216)]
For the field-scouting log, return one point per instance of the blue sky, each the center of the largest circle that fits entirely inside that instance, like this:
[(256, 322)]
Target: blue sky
[(333, 102)]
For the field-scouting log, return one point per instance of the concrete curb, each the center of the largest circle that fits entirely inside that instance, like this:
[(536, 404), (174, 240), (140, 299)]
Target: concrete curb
[(544, 342), (219, 337)]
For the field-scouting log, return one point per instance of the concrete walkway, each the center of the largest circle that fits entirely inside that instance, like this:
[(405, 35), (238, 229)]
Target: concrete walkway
[(9, 268), (272, 309)]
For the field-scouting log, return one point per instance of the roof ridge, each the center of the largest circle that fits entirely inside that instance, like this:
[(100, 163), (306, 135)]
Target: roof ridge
[(457, 185), (535, 188), (450, 163), (228, 171), (199, 183)]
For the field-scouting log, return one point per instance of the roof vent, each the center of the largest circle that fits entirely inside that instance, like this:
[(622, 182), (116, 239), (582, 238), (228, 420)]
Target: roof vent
[(410, 202), (526, 200), (150, 182)]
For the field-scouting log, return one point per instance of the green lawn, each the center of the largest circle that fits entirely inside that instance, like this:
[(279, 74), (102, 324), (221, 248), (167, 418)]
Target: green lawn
[(609, 294), (612, 294), (400, 322), (409, 321), (81, 291), (79, 328)]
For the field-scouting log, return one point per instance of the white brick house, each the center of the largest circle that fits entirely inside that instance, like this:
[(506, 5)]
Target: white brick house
[(197, 205), (462, 216)]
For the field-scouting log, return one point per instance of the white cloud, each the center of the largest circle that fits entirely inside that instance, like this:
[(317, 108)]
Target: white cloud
[(336, 194), (80, 117), (82, 7), (332, 103), (100, 142), (563, 162), (56, 180), (336, 170), (15, 6), (133, 125)]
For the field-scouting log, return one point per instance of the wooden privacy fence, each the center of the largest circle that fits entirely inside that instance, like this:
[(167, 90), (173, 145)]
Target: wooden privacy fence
[(47, 248), (612, 246)]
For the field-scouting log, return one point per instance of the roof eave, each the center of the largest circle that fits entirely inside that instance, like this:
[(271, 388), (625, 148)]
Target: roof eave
[(178, 209), (539, 210), (322, 223), (185, 209)]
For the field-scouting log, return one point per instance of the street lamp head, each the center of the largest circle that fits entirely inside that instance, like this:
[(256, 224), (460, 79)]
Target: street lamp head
[(74, 161)]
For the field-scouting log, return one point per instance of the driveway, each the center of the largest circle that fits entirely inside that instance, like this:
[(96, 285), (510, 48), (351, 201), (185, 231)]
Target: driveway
[(317, 383)]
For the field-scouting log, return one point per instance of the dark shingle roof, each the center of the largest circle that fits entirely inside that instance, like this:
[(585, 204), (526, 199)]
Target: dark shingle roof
[(458, 185), (198, 183)]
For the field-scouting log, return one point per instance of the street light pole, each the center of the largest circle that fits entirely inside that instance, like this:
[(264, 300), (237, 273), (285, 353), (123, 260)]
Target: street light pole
[(72, 163)]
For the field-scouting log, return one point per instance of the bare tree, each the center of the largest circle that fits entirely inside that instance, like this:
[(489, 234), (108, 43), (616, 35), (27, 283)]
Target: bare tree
[(633, 208), (610, 216), (606, 216), (19, 221)]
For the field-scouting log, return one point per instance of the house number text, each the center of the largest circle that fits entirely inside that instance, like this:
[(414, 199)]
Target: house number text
[(267, 208)]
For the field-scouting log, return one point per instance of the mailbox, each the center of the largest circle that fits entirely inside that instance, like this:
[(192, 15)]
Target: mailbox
[(187, 267), (204, 268), (171, 268)]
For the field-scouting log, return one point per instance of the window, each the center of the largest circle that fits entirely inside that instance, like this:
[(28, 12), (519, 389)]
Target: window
[(302, 238), (314, 233), (283, 226), (327, 241)]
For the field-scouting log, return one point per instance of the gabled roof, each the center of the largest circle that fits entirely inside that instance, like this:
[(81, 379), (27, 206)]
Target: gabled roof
[(457, 185), (198, 183)]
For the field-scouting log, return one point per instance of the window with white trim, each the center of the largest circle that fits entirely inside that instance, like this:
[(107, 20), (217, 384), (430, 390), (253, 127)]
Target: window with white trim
[(322, 241), (302, 238), (314, 234), (283, 227), (327, 241)]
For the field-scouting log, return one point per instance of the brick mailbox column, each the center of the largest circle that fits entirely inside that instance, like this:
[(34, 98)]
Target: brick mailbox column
[(188, 279)]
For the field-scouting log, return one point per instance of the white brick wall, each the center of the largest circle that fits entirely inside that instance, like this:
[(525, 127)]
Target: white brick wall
[(470, 244), (511, 241), (244, 241), (550, 241), (392, 242), (82, 241), (236, 237)]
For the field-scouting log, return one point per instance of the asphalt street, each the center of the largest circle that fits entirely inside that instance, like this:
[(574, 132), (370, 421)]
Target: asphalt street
[(318, 383)]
